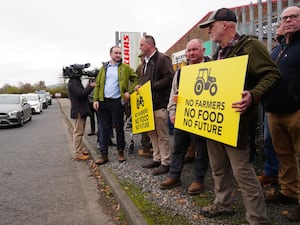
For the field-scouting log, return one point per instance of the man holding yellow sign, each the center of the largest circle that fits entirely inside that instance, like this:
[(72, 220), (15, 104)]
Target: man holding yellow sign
[(158, 69), (261, 75)]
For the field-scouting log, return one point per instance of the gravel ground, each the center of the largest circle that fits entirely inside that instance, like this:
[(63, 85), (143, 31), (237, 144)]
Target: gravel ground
[(177, 200)]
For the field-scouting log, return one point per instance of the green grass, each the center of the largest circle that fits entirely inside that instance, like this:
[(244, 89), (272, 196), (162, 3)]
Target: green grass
[(151, 212)]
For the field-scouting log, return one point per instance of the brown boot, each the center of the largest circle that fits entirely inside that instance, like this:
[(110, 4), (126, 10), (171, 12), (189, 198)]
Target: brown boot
[(121, 157), (81, 157), (85, 152), (266, 180), (190, 155), (195, 188), (145, 153), (103, 159), (294, 214), (169, 183)]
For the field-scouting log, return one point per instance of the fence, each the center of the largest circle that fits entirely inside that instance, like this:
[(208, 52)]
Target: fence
[(265, 23), (264, 27)]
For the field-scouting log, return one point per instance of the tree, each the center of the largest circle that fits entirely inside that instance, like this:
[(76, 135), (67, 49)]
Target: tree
[(8, 89), (40, 85), (26, 88)]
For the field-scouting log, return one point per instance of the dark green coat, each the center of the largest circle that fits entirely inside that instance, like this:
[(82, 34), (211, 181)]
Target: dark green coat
[(261, 76), (128, 79)]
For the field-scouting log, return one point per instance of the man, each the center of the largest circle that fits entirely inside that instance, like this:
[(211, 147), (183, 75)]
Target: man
[(111, 92), (146, 150), (79, 111), (261, 75), (182, 139), (159, 70), (271, 163), (283, 107)]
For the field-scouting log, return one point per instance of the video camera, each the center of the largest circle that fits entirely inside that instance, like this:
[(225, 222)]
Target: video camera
[(78, 70)]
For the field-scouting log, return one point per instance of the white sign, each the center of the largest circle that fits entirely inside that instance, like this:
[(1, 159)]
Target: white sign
[(178, 57), (130, 43)]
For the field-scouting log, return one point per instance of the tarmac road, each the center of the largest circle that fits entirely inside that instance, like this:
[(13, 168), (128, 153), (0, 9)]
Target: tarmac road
[(40, 183)]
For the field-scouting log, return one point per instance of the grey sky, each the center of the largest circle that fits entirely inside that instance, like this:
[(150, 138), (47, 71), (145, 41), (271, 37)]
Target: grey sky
[(39, 37)]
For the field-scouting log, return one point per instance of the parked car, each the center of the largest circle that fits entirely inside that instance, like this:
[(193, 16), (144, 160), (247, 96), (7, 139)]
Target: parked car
[(47, 95), (14, 110), (44, 100), (35, 102), (57, 95)]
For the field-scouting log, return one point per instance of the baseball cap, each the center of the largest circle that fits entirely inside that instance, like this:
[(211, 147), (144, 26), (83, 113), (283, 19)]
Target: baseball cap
[(222, 14)]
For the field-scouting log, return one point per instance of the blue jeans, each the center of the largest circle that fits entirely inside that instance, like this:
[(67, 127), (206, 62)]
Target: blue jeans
[(271, 163)]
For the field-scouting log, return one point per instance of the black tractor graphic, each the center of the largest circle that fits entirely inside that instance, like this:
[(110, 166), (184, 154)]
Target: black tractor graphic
[(205, 82), (139, 101)]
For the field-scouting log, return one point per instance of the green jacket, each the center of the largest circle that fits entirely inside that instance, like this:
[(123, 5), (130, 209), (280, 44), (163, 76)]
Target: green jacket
[(261, 76), (128, 79)]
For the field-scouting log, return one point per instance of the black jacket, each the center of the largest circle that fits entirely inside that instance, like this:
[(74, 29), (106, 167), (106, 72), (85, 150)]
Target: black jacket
[(285, 98), (79, 98), (160, 72)]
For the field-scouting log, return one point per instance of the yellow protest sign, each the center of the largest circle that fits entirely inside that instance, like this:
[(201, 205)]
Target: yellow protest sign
[(142, 109), (206, 93)]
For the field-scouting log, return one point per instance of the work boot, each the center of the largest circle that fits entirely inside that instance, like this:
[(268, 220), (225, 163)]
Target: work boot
[(267, 180), (121, 157), (145, 153), (85, 152), (279, 198), (160, 170), (215, 210), (294, 214), (195, 188), (82, 157), (190, 155), (151, 164), (169, 183), (102, 160)]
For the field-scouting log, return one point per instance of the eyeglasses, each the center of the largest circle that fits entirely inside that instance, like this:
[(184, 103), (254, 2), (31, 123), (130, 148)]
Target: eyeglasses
[(291, 17)]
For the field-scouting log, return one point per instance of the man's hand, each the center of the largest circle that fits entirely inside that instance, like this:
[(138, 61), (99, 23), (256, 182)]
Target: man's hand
[(136, 88), (126, 96), (96, 105), (175, 98), (243, 105), (172, 119)]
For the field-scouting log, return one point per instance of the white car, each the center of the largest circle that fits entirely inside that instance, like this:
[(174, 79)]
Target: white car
[(35, 102), (43, 100)]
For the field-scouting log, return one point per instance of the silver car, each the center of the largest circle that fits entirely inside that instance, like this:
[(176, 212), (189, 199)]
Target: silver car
[(35, 102), (14, 110)]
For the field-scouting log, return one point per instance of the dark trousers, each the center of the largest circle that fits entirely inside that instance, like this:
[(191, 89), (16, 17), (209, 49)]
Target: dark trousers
[(145, 141), (182, 140), (111, 112), (92, 117)]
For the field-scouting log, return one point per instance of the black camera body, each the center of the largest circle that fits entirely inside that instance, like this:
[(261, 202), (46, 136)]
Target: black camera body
[(78, 70)]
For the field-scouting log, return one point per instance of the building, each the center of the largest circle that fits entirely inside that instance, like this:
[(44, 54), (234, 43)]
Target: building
[(258, 19)]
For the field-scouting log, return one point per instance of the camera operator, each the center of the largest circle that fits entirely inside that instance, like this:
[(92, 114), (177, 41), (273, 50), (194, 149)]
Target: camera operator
[(79, 110)]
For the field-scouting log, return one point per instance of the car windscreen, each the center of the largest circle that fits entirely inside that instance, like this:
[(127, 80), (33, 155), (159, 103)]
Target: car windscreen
[(31, 97), (9, 99)]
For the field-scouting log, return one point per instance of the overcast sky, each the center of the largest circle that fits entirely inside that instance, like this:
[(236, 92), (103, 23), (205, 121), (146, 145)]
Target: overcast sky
[(39, 37)]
